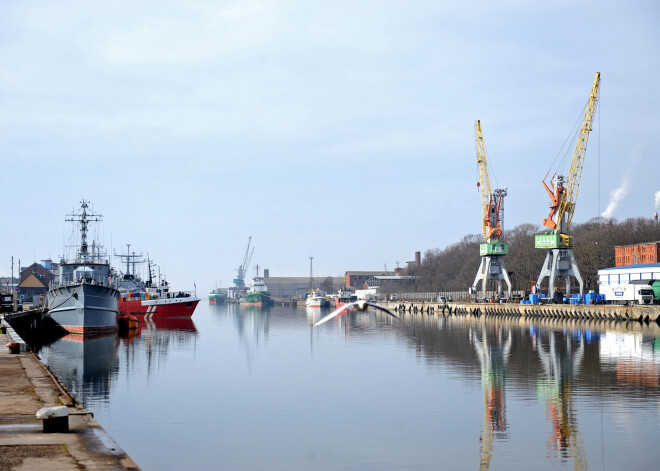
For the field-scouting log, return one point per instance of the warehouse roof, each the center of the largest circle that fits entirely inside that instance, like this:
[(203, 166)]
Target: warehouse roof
[(639, 265), (639, 243)]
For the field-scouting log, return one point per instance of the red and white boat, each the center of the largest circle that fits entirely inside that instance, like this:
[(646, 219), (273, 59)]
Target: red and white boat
[(344, 298), (157, 306), (152, 300)]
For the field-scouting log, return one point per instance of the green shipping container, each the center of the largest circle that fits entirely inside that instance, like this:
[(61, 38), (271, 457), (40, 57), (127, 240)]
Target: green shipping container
[(549, 240), (493, 248)]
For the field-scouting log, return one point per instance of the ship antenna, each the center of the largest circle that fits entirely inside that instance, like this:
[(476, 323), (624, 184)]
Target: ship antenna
[(149, 268)]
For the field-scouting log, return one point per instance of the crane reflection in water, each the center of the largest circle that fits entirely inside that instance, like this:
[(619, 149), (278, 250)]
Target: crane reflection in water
[(493, 358), (561, 360)]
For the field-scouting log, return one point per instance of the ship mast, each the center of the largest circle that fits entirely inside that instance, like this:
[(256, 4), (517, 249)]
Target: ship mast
[(131, 258), (84, 218)]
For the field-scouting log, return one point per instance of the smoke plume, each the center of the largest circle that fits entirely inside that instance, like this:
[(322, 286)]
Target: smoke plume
[(657, 200), (616, 196)]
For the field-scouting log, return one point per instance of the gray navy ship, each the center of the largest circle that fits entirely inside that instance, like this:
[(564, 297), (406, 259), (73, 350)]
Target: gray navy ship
[(82, 298)]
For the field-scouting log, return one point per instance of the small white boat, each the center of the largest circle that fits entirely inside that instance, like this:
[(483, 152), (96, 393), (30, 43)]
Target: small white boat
[(316, 298)]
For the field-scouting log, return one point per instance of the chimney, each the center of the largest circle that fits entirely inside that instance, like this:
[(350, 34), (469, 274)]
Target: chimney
[(418, 259), (266, 273)]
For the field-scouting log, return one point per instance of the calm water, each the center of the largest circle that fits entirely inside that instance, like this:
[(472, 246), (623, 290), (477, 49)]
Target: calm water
[(244, 389)]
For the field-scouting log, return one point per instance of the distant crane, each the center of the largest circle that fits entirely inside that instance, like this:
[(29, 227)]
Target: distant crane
[(492, 250), (559, 261), (239, 281)]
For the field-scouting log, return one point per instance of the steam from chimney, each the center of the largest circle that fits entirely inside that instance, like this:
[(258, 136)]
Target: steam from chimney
[(657, 200), (618, 195)]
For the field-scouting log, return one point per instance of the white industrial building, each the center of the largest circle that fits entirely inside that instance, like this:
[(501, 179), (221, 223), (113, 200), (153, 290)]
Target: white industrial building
[(629, 284), (627, 273)]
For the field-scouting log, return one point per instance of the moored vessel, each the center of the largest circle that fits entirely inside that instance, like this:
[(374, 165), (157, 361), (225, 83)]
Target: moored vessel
[(81, 298), (258, 294), (316, 298), (344, 297), (149, 298), (218, 296)]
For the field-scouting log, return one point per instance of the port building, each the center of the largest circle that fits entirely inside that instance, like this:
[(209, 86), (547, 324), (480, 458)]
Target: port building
[(637, 254), (629, 273), (297, 287), (358, 279), (34, 283)]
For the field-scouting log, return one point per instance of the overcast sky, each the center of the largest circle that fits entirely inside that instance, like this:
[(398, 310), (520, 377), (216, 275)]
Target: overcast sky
[(338, 129)]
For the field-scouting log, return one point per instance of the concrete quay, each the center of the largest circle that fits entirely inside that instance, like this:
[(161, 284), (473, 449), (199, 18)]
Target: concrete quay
[(26, 386), (605, 312)]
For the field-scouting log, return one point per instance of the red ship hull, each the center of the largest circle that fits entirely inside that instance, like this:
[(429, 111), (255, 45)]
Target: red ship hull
[(160, 307)]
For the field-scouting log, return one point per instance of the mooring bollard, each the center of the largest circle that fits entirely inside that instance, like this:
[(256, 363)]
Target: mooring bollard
[(55, 419), (14, 347)]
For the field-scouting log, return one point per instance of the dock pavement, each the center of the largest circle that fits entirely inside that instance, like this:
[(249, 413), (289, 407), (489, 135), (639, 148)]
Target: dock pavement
[(26, 386)]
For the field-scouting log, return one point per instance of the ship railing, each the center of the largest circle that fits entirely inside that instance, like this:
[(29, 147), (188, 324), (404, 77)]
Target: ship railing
[(181, 294)]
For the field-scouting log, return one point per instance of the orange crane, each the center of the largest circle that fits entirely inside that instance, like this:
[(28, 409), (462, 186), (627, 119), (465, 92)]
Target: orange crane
[(492, 250), (559, 261)]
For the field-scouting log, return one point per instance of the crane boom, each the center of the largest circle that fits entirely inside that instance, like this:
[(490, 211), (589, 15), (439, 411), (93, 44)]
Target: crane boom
[(492, 209), (564, 196), (242, 269), (484, 178), (567, 205)]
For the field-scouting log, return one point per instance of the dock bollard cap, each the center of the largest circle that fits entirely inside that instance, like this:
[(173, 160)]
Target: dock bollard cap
[(52, 412)]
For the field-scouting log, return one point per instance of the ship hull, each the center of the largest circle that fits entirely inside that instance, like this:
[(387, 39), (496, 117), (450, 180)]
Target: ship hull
[(257, 299), (159, 308), (344, 300), (317, 302), (86, 309), (217, 298)]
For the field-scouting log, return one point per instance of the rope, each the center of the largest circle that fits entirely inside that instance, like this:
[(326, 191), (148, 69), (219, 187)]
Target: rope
[(575, 129), (71, 296)]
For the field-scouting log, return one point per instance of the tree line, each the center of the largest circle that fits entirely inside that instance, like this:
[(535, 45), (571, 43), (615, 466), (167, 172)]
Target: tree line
[(455, 267)]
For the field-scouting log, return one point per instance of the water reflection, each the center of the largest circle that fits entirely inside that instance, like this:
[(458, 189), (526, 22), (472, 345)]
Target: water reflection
[(493, 349), (155, 339), (86, 366), (460, 390), (634, 358), (561, 357)]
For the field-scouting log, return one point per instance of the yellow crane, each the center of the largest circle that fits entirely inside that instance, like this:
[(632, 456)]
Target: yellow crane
[(559, 261), (492, 250)]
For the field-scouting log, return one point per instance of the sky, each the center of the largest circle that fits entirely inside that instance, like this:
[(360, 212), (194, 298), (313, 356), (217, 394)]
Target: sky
[(342, 130)]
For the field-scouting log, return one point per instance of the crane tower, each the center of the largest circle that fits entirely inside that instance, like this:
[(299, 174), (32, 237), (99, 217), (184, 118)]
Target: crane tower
[(559, 261), (492, 250), (239, 281)]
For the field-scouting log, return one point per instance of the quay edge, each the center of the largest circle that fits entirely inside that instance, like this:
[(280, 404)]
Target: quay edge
[(608, 312), (26, 386)]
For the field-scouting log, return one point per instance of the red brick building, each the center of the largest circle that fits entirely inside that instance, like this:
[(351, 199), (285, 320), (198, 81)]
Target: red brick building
[(635, 254), (357, 279)]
